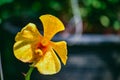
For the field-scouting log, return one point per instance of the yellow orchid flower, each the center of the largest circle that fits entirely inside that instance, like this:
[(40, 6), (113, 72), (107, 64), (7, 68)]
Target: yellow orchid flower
[(32, 47)]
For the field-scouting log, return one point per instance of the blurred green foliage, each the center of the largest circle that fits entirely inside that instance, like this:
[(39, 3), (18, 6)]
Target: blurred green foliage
[(2, 2), (32, 8), (98, 13), (101, 13)]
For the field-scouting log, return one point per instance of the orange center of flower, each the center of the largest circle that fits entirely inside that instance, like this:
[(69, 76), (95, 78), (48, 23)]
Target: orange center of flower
[(42, 47)]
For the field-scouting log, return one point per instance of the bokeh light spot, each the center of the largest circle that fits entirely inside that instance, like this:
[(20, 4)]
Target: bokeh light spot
[(116, 25), (104, 21)]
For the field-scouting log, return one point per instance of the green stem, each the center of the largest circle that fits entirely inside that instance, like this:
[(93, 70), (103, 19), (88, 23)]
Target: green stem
[(27, 76)]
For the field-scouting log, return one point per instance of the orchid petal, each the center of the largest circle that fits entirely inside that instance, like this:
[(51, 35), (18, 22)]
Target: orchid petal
[(23, 48), (49, 63), (51, 25), (28, 32), (61, 50), (23, 51)]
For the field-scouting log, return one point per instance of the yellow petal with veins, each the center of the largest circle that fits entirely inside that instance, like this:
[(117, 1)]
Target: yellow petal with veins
[(23, 51), (28, 36), (61, 50), (51, 25), (28, 32), (49, 63)]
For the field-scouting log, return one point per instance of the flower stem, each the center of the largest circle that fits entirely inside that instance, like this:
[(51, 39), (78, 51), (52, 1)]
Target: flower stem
[(27, 76)]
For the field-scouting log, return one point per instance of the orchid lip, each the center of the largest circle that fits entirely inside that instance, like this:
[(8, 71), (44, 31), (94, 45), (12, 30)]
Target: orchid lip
[(39, 52)]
